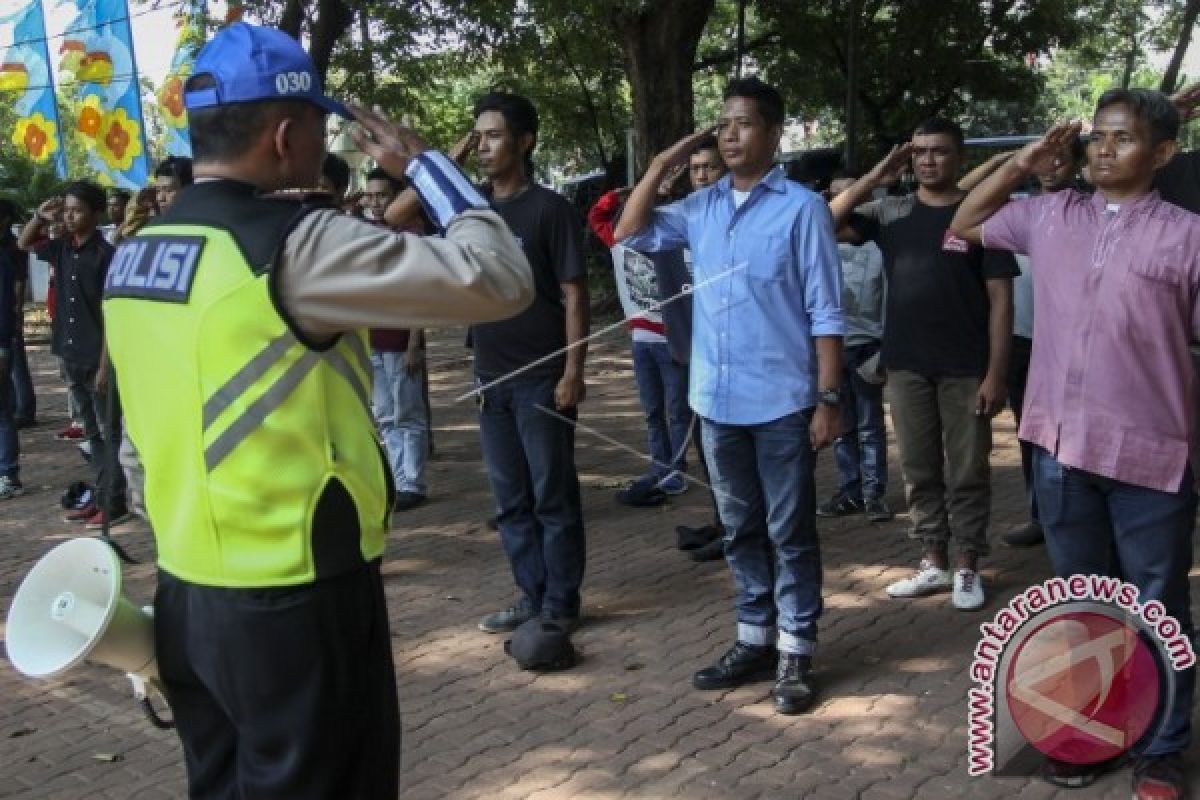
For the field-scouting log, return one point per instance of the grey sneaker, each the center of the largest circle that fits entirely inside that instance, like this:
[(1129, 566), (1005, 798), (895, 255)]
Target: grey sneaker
[(509, 619), (10, 488)]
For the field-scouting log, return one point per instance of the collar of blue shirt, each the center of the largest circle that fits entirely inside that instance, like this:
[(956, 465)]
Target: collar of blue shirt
[(774, 180)]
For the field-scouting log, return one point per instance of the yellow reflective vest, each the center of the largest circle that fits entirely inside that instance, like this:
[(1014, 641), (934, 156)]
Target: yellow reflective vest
[(261, 459)]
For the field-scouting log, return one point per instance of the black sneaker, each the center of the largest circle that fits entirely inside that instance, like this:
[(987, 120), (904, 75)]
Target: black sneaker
[(741, 664), (840, 505), (509, 619), (1028, 535), (793, 692), (878, 510), (642, 493)]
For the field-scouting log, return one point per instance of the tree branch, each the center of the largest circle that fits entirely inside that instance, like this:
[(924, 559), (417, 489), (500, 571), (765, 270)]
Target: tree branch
[(1171, 76), (726, 56)]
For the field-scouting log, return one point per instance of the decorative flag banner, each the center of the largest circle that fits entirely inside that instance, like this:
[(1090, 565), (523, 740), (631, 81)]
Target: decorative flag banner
[(97, 49), (192, 21), (26, 83)]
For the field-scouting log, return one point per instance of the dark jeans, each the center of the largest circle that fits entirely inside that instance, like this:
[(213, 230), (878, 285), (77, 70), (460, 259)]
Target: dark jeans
[(25, 399), (94, 412), (1090, 519), (763, 475), (1018, 374), (861, 450), (663, 386), (698, 442), (530, 458), (10, 446), (282, 692)]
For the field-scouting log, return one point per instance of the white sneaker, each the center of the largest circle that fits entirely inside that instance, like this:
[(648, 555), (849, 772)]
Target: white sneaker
[(968, 590), (927, 580)]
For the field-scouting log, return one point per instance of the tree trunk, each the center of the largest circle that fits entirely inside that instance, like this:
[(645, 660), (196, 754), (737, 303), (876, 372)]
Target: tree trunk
[(660, 45), (1171, 77), (850, 156), (292, 17), (333, 19)]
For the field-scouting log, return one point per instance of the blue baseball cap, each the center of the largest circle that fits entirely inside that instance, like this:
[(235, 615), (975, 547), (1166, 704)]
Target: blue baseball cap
[(251, 63)]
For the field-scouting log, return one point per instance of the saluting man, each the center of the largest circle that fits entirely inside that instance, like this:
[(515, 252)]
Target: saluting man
[(237, 326)]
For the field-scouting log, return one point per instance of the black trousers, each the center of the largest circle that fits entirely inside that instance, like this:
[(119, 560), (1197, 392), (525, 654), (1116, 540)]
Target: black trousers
[(1018, 374), (282, 693)]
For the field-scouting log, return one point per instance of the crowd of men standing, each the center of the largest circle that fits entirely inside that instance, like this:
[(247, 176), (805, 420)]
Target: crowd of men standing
[(781, 316)]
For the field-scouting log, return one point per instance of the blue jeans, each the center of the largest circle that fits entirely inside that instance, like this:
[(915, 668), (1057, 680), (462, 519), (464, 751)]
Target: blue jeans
[(662, 387), (24, 399), (861, 450), (530, 459), (763, 476), (399, 404), (1089, 518), (10, 448)]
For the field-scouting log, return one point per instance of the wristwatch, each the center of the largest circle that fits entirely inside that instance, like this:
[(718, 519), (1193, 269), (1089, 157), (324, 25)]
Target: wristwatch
[(830, 397)]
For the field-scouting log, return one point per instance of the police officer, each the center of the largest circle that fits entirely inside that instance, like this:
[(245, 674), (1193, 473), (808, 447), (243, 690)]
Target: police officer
[(236, 324)]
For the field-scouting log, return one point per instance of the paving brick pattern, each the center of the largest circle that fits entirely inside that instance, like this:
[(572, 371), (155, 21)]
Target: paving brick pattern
[(891, 723)]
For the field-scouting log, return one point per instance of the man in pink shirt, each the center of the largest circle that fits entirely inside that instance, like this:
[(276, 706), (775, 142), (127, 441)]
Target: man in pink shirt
[(1110, 401)]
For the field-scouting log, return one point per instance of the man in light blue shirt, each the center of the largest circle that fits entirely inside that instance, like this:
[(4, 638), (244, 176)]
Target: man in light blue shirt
[(765, 376)]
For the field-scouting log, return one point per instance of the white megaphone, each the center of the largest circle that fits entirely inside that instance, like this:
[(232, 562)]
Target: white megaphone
[(69, 609)]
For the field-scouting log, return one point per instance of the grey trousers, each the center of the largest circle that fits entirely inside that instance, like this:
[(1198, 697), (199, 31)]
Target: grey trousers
[(944, 450)]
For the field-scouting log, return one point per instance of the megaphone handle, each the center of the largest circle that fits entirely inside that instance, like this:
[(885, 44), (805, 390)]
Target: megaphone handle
[(155, 719), (140, 685), (117, 548)]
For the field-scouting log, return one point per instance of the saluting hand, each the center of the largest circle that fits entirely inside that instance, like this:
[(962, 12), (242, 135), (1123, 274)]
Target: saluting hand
[(893, 165), (392, 146), (1187, 102), (464, 147), (50, 210), (682, 150), (1048, 152)]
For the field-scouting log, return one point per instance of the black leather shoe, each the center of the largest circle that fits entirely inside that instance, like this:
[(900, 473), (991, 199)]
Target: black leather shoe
[(406, 501), (713, 551), (695, 538), (1028, 535), (743, 663), (794, 692)]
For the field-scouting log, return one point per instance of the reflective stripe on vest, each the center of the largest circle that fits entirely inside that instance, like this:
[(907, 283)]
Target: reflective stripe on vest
[(279, 391)]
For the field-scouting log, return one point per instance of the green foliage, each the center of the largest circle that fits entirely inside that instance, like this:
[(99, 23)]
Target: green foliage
[(999, 66)]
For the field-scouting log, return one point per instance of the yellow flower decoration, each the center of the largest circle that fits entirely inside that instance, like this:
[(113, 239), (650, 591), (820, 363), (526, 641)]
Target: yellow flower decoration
[(170, 99), (36, 136), (119, 141), (14, 78), (90, 119)]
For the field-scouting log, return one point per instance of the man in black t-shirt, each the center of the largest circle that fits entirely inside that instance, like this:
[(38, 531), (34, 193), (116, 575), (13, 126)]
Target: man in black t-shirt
[(81, 258), (1179, 181), (946, 339), (529, 370)]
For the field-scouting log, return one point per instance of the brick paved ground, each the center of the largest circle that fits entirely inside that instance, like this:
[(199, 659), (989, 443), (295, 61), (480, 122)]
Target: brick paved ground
[(625, 722)]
